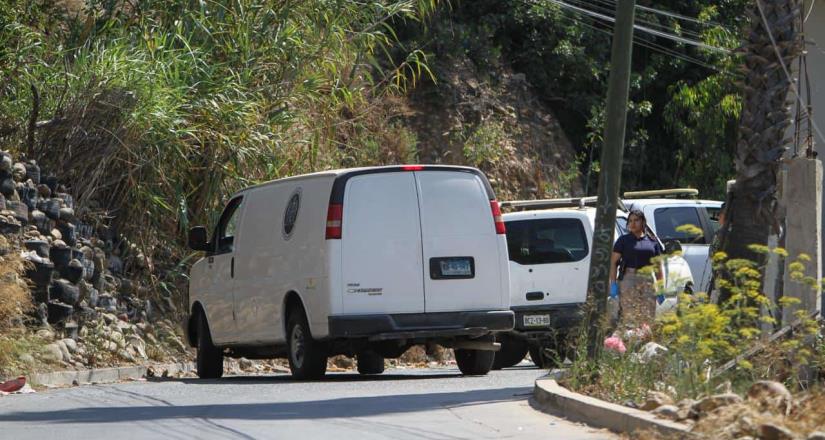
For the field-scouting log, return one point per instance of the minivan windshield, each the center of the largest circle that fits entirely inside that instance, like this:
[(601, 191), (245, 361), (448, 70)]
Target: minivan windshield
[(543, 241)]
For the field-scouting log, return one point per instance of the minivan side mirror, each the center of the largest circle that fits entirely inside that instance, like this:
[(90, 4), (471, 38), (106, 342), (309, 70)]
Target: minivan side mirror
[(197, 239), (672, 246)]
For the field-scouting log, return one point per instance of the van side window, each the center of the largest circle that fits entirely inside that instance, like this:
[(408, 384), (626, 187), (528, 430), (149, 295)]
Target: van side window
[(227, 226), (669, 219), (558, 240)]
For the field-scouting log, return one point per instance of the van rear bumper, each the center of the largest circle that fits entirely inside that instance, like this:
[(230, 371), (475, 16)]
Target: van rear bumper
[(447, 324)]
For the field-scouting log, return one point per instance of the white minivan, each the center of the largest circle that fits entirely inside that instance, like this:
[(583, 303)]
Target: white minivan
[(364, 262)]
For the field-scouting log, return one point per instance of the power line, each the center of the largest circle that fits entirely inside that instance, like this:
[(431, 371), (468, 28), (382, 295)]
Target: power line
[(612, 3), (610, 9), (642, 28), (654, 47)]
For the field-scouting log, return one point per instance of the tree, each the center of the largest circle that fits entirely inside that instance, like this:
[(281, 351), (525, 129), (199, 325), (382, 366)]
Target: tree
[(771, 44)]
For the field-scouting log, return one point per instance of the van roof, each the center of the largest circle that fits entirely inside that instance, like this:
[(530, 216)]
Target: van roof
[(641, 203), (587, 211), (547, 213), (569, 202), (342, 174)]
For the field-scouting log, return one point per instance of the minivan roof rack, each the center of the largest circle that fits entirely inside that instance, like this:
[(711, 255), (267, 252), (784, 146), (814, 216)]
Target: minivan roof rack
[(672, 192), (569, 202)]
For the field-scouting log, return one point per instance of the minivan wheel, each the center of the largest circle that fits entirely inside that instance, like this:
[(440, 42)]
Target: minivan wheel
[(307, 357), (474, 362), (370, 362), (512, 352), (540, 357), (210, 358)]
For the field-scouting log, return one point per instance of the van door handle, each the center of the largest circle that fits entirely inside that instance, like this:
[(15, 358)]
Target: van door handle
[(232, 268)]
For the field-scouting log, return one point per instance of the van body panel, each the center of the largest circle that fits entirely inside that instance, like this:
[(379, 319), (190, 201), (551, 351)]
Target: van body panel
[(381, 245), (216, 304), (457, 221), (335, 282), (274, 258), (219, 296)]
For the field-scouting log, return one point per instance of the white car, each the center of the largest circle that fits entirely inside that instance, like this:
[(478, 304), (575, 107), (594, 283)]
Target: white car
[(364, 262), (549, 244), (665, 214)]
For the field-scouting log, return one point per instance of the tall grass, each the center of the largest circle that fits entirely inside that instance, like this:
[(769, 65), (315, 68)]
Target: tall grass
[(155, 111)]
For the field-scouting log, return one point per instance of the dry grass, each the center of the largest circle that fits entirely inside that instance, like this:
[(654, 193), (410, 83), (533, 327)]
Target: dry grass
[(15, 302), (417, 354), (15, 298), (744, 419), (20, 353)]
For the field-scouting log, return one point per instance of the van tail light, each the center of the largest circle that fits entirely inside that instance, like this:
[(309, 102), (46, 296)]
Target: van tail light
[(335, 215), (500, 229)]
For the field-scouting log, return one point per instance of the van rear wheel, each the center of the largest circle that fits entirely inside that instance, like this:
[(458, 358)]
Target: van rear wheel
[(210, 358), (512, 352), (370, 362), (307, 357), (474, 362)]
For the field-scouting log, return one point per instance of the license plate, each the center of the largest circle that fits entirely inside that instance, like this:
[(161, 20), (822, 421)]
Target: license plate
[(456, 267), (536, 320)]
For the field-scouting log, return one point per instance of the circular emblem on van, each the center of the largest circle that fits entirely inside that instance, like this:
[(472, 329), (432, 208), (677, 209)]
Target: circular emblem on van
[(291, 213)]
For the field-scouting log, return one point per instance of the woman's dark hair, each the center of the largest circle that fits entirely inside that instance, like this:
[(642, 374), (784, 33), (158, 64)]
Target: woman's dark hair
[(638, 214)]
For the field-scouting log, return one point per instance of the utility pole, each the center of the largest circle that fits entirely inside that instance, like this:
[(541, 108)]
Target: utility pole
[(611, 172)]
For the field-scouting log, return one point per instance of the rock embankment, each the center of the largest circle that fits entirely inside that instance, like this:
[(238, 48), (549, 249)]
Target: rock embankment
[(92, 303)]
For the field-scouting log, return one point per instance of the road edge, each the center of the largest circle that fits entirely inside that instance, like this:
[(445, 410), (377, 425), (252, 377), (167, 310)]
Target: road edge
[(554, 399), (106, 375)]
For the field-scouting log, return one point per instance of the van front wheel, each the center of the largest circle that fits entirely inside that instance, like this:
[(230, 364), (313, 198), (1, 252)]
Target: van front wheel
[(474, 362), (210, 358), (307, 357)]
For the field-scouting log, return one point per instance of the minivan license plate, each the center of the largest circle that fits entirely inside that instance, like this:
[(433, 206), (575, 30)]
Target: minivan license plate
[(536, 320), (456, 267)]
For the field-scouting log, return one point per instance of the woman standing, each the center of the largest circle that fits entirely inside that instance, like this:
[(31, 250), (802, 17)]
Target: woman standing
[(636, 249)]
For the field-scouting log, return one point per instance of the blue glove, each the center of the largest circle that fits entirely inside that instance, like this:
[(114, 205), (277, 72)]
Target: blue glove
[(614, 289), (660, 299)]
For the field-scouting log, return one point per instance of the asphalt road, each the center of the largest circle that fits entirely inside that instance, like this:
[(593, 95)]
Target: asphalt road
[(399, 404)]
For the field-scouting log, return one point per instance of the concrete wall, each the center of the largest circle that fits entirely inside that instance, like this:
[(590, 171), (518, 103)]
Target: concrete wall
[(801, 197), (815, 45)]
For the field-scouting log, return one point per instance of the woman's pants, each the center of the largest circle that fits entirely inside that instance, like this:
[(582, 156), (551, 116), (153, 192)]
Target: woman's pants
[(637, 300)]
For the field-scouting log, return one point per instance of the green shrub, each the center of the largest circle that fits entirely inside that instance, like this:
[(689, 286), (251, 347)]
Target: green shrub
[(701, 337)]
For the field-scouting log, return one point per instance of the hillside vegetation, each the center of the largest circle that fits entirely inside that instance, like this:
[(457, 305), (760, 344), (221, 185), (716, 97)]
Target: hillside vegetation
[(156, 110), (152, 112)]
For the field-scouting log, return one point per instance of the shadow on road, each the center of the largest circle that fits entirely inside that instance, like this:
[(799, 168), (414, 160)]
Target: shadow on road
[(304, 410), (287, 378)]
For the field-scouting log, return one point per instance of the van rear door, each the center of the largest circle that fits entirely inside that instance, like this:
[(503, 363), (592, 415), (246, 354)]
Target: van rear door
[(381, 245), (465, 260), (549, 260)]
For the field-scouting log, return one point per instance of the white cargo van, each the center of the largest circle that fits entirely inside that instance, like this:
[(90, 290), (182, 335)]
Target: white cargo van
[(364, 262), (549, 245)]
